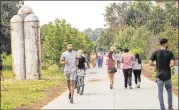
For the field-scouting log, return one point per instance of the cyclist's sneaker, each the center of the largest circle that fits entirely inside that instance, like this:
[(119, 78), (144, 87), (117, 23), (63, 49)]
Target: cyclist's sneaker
[(69, 96), (71, 100)]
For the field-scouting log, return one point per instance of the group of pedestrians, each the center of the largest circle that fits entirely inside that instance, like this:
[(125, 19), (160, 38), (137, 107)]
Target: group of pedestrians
[(164, 61), (128, 63), (97, 58)]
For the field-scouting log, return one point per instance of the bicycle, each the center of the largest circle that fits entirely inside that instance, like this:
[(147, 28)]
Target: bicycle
[(80, 81)]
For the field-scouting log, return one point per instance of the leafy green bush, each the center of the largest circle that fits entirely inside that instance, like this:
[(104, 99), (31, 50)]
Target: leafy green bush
[(53, 67), (137, 50)]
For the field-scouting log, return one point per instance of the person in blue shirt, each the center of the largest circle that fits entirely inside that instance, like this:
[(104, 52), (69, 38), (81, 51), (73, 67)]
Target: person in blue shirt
[(118, 59)]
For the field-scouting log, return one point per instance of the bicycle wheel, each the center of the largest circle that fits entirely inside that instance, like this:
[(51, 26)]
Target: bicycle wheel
[(81, 85)]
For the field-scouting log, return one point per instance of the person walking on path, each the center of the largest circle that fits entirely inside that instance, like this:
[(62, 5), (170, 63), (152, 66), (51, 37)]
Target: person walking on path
[(127, 60), (164, 61), (100, 59), (110, 62), (69, 58), (93, 60), (1, 67), (118, 60), (88, 60), (137, 67)]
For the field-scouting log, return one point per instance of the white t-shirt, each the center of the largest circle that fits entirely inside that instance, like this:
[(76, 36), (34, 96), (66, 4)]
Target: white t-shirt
[(136, 65)]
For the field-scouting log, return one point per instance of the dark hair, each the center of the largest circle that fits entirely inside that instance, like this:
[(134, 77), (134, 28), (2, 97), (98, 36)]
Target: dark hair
[(69, 43), (110, 54), (163, 41), (126, 50), (138, 58), (118, 52)]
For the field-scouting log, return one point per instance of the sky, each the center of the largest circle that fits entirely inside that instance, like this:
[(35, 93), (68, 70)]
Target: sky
[(80, 14)]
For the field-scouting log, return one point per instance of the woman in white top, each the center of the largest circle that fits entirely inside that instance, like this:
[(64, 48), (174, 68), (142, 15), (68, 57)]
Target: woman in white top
[(137, 67)]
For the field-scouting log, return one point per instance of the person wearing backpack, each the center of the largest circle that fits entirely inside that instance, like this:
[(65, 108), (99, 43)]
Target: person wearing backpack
[(164, 61)]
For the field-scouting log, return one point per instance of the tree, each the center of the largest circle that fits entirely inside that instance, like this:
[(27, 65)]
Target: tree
[(138, 13), (115, 15), (105, 40), (123, 40), (94, 34), (171, 33), (156, 20), (134, 39), (55, 37), (171, 12), (8, 10)]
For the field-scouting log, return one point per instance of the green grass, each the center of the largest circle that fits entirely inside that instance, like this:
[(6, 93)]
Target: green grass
[(7, 74), (175, 80), (19, 93)]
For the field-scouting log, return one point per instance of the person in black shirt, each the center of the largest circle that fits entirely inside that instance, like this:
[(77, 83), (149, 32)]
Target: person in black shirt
[(81, 63), (164, 61)]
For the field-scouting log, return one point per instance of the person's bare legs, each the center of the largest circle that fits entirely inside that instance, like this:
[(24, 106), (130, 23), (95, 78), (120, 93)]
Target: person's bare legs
[(72, 85), (112, 78), (72, 88), (68, 85), (110, 75)]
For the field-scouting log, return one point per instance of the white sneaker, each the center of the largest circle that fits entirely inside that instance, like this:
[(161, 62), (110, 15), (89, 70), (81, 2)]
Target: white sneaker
[(138, 85)]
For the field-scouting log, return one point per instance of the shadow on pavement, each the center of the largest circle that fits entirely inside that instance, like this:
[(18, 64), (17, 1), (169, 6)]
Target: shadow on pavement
[(95, 94), (138, 89)]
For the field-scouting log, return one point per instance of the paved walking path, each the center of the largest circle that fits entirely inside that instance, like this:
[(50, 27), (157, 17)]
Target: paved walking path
[(97, 94)]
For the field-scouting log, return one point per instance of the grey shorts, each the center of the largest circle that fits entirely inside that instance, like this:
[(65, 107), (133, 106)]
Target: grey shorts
[(70, 76)]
